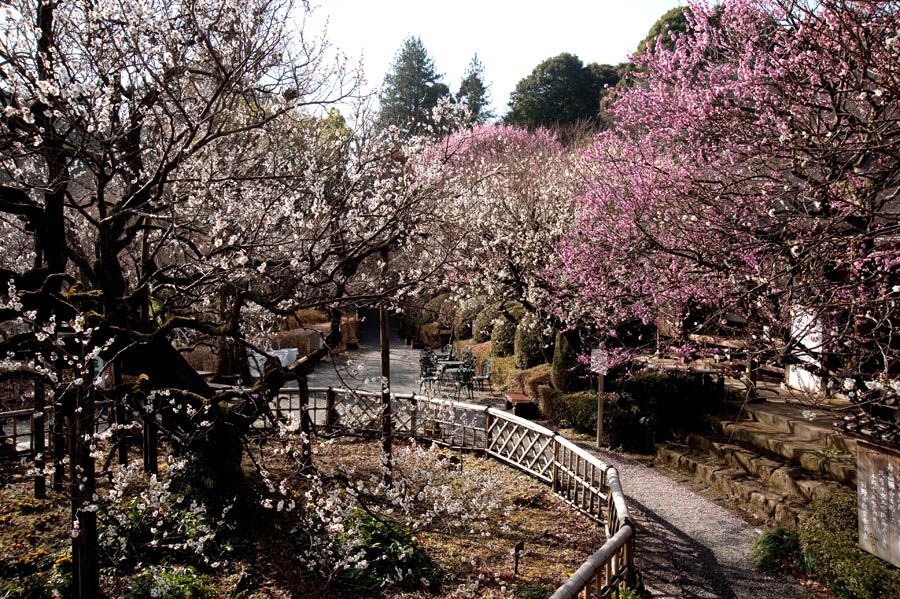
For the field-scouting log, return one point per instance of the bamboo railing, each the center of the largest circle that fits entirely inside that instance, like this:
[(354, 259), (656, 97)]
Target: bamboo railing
[(574, 475)]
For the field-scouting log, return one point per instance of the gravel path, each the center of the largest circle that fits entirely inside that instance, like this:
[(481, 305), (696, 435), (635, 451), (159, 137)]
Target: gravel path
[(686, 546)]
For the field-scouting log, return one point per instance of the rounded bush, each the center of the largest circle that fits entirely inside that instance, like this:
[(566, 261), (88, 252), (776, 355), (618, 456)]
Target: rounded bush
[(484, 323), (568, 373), (438, 309), (412, 320), (503, 337), (465, 317), (527, 345)]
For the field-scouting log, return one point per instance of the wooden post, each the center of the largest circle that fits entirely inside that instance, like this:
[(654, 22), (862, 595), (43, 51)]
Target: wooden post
[(413, 420), (386, 432), (59, 444), (38, 440), (487, 430), (305, 427), (151, 455), (600, 385), (752, 374), (629, 560), (329, 409), (554, 481)]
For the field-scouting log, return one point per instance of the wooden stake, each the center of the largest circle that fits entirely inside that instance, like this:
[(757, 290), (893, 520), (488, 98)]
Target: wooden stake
[(38, 439), (386, 432), (600, 385)]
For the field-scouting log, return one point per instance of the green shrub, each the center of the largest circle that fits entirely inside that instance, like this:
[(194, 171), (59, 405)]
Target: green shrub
[(649, 406), (828, 536), (628, 425), (439, 309), (465, 316), (503, 336), (168, 582), (392, 557), (412, 320), (775, 548), (568, 373), (578, 409), (430, 334), (484, 323), (306, 317), (502, 368), (527, 346)]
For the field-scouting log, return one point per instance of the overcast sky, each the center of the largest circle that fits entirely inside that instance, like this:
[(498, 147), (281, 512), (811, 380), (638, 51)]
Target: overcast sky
[(510, 37)]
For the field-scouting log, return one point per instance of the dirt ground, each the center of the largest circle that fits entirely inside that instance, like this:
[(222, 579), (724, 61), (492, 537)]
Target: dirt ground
[(553, 538)]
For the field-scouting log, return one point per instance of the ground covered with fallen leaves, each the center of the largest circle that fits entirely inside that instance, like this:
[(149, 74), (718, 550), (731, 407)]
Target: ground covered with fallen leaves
[(260, 550)]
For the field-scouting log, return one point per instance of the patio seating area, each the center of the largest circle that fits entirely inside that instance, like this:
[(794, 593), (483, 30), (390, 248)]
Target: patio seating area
[(451, 375)]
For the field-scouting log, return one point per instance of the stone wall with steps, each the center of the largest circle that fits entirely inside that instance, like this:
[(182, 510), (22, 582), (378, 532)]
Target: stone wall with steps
[(772, 462)]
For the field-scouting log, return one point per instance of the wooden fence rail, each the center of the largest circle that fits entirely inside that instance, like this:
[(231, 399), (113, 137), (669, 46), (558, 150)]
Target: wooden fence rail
[(574, 475)]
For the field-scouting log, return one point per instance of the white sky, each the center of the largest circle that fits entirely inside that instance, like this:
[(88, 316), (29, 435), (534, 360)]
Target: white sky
[(510, 37)]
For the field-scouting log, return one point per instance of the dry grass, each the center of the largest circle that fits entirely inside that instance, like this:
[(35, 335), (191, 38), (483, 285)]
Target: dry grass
[(474, 563)]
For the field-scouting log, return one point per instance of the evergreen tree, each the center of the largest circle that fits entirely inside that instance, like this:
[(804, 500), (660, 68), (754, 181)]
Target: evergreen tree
[(411, 88), (560, 91), (474, 94)]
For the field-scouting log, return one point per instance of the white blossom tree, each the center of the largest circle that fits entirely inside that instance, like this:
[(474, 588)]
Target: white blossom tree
[(168, 167)]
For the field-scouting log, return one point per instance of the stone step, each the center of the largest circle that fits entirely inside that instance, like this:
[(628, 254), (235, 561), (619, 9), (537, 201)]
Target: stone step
[(784, 478), (818, 426), (750, 493), (811, 455)]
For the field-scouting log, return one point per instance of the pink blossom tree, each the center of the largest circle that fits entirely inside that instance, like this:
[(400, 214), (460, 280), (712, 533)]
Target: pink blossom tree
[(753, 170)]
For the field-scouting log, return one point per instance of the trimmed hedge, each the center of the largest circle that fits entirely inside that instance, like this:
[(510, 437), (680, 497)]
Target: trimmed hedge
[(828, 536), (527, 345), (647, 407), (503, 336), (465, 316), (439, 309), (502, 368), (484, 323)]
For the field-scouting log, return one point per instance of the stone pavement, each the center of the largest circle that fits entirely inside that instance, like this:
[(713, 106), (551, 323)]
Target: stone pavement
[(361, 368)]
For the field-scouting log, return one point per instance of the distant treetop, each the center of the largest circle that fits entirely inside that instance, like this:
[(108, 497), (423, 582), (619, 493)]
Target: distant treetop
[(474, 94), (560, 91), (412, 88)]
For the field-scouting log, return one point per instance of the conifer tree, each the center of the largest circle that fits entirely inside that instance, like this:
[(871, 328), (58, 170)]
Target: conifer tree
[(474, 94), (411, 88)]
